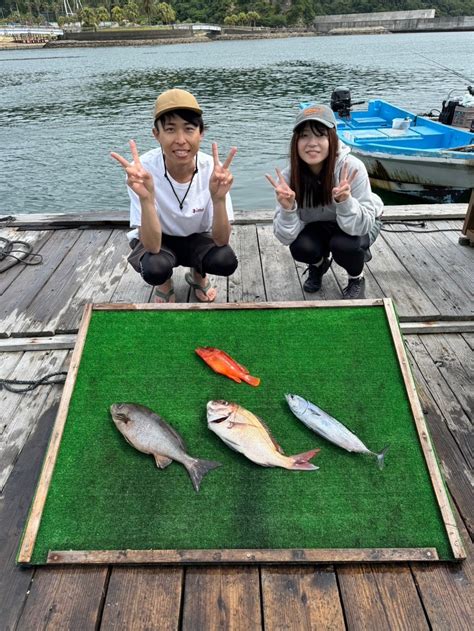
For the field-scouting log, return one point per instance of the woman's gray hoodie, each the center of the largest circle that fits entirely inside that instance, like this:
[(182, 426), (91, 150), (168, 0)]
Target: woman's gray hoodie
[(358, 215)]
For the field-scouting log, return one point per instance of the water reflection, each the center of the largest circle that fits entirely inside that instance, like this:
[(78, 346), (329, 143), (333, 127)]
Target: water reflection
[(60, 120)]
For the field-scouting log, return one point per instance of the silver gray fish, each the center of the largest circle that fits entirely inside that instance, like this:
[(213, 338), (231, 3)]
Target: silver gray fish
[(329, 428), (150, 434)]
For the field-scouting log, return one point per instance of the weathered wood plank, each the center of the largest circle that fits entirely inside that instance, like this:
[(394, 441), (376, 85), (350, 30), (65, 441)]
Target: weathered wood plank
[(131, 286), (240, 555), (380, 597), (102, 276), (458, 259), (450, 257), (397, 283), (424, 438), (8, 363), (18, 493), (430, 327), (45, 312), (446, 592), (65, 219), (222, 598), (246, 284), (455, 361), (431, 376), (453, 231), (20, 294), (46, 343), (301, 598), (19, 412), (67, 340), (469, 339), (36, 510), (456, 468), (281, 280), (36, 239), (64, 598), (143, 598), (427, 272)]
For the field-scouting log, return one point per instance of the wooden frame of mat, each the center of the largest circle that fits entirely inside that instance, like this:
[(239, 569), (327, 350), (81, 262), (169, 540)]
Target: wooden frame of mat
[(242, 555)]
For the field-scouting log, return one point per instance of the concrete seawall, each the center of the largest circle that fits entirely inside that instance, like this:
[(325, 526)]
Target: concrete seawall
[(324, 26)]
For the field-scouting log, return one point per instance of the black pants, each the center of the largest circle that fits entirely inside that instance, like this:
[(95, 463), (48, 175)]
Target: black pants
[(197, 250), (319, 238)]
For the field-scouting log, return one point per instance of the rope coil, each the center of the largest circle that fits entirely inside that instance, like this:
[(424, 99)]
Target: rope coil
[(7, 249), (15, 385)]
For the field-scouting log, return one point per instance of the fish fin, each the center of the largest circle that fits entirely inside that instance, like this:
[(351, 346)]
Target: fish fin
[(270, 435), (253, 381), (381, 456), (162, 461), (236, 364), (304, 466), (231, 424), (300, 461), (197, 469)]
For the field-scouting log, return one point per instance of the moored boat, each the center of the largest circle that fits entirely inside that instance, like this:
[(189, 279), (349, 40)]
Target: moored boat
[(407, 153)]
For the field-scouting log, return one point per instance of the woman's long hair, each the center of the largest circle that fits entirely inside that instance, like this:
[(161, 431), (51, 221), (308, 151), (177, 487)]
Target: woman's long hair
[(313, 190)]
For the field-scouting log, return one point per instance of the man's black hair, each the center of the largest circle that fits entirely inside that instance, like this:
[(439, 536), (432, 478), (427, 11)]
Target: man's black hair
[(188, 115)]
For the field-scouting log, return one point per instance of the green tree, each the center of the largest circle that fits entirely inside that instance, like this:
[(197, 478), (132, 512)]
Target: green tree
[(88, 17), (231, 20), (164, 12), (131, 11), (102, 14), (147, 6), (252, 17), (242, 18), (117, 14)]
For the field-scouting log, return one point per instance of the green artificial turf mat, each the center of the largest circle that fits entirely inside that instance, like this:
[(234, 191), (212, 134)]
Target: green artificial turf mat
[(105, 495)]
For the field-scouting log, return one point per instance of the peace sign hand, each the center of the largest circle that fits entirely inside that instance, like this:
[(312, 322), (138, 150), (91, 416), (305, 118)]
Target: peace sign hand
[(221, 178), (138, 179), (285, 196), (342, 191)]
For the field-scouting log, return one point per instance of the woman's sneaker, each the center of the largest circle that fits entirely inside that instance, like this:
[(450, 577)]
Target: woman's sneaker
[(355, 289), (315, 276)]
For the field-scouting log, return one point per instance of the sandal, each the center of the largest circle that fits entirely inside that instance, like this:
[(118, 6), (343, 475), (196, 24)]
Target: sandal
[(165, 296), (189, 278)]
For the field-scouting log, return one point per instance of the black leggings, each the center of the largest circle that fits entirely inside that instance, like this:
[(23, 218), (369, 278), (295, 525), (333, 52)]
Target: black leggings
[(197, 251), (319, 238)]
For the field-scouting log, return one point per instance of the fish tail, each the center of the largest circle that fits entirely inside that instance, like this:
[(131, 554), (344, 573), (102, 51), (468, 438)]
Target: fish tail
[(197, 469), (381, 456), (300, 461), (253, 381)]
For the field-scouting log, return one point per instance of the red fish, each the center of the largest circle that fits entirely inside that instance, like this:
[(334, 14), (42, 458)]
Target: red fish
[(223, 364)]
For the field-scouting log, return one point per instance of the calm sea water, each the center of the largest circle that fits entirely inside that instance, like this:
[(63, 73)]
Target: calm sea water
[(62, 111)]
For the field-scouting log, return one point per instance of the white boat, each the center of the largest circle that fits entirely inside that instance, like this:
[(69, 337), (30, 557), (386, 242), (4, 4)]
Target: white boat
[(407, 153)]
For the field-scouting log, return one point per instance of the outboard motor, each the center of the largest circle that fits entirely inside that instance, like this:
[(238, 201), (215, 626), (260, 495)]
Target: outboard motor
[(447, 113), (341, 102)]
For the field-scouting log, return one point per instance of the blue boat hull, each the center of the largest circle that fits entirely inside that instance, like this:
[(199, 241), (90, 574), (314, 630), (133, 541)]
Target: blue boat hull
[(409, 154)]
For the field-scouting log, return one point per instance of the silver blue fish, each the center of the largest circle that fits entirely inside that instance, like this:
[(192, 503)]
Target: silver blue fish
[(329, 428)]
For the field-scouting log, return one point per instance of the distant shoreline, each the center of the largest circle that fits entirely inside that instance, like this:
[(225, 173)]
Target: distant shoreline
[(154, 42), (200, 39)]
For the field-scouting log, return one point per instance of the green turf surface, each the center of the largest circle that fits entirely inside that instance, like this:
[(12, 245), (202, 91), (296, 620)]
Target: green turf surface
[(105, 495)]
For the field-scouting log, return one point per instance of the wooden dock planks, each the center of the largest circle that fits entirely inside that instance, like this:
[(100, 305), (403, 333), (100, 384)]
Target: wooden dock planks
[(301, 598), (416, 596)]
